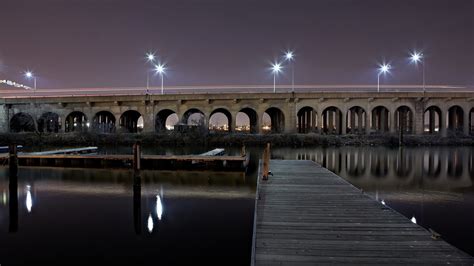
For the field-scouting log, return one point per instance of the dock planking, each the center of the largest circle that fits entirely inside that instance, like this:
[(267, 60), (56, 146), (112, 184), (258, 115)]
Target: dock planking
[(224, 162), (307, 215)]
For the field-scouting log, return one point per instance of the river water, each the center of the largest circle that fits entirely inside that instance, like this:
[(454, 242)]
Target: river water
[(64, 216)]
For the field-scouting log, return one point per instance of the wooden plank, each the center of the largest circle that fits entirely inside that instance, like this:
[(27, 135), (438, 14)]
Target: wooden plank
[(214, 152), (65, 151), (307, 215)]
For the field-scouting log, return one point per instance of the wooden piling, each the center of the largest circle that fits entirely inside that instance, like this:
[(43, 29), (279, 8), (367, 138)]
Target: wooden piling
[(137, 156), (266, 162), (242, 151), (13, 160), (13, 189)]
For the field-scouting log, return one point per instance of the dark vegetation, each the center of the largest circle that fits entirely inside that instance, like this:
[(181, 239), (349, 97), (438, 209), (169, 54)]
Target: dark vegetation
[(177, 139)]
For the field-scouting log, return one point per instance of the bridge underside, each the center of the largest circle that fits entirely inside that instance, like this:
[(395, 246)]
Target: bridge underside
[(264, 113)]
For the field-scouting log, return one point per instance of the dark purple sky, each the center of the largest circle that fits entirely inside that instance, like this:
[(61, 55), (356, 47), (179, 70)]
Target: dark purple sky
[(92, 43)]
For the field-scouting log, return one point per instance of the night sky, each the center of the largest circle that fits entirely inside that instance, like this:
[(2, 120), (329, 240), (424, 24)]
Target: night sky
[(101, 43)]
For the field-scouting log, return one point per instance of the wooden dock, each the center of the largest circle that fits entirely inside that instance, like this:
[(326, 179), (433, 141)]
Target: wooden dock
[(307, 215), (212, 160)]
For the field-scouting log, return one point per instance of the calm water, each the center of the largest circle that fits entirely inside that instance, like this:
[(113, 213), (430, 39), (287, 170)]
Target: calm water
[(82, 216), (89, 215)]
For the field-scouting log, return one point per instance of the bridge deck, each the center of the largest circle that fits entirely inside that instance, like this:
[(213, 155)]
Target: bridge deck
[(307, 215)]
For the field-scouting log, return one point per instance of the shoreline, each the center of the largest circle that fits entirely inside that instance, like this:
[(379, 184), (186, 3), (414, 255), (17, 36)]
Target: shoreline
[(231, 140)]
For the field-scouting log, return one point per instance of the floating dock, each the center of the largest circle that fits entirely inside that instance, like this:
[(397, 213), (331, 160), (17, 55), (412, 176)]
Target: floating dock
[(307, 215), (73, 158)]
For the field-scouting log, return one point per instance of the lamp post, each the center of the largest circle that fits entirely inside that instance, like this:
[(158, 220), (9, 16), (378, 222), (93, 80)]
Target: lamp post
[(150, 57), (290, 57), (384, 68), (276, 68), (160, 69), (416, 58), (30, 75)]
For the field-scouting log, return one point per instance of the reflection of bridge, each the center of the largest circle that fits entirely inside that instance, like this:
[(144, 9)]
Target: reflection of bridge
[(438, 168), (318, 109)]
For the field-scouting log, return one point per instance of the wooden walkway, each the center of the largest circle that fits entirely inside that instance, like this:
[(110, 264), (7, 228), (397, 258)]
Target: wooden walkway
[(307, 215), (223, 162)]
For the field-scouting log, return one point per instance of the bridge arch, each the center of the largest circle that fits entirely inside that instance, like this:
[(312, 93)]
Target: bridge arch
[(165, 119), (380, 119), (455, 118), (247, 120), (432, 120), (49, 122), (356, 120), (131, 121), (22, 122), (332, 120), (220, 120), (103, 122), (277, 120), (76, 122), (404, 119), (307, 120), (194, 117)]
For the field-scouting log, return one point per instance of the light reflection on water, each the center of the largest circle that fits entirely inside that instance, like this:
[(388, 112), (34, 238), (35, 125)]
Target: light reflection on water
[(431, 186), (113, 217)]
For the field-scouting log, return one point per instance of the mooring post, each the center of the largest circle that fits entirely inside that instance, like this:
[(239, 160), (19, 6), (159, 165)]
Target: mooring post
[(266, 162), (136, 156), (242, 151), (13, 160), (13, 188)]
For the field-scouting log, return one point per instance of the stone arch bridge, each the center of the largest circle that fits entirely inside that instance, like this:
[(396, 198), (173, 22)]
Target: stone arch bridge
[(321, 112)]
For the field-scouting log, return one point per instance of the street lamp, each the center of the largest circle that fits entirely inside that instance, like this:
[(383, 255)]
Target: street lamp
[(416, 58), (383, 69), (290, 57), (160, 69), (276, 68), (30, 75), (150, 57)]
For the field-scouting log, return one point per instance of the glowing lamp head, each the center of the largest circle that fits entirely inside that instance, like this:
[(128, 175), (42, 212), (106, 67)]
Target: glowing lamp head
[(289, 55), (276, 68), (150, 57), (384, 68), (416, 57), (160, 69), (28, 74)]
